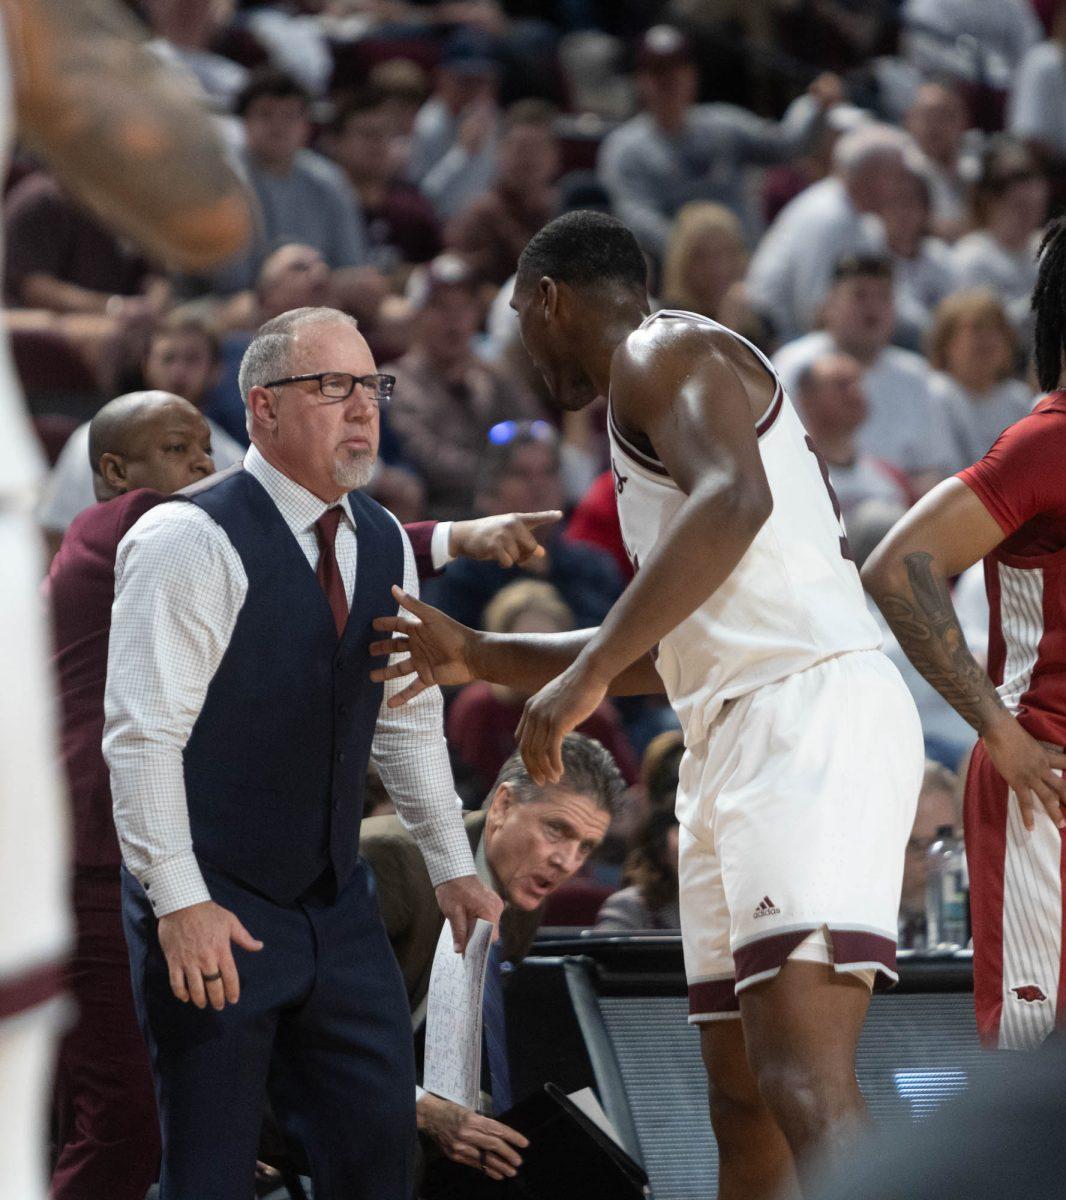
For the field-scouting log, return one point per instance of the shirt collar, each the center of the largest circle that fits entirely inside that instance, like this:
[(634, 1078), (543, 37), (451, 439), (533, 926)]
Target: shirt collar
[(299, 508), (481, 865)]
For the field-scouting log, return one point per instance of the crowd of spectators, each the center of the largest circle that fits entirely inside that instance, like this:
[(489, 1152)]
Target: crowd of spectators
[(858, 192)]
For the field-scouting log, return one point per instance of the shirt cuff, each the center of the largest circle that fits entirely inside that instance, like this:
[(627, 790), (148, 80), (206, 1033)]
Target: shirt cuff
[(420, 1093), (173, 884), (438, 546), (446, 857)]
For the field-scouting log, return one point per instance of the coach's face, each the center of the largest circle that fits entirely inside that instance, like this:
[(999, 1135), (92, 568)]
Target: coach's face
[(327, 446), (534, 846)]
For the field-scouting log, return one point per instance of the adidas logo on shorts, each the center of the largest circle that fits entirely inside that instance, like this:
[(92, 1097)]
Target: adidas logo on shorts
[(766, 908)]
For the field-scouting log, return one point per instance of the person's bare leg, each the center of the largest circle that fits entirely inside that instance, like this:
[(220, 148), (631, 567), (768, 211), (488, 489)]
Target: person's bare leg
[(802, 1028), (754, 1160)]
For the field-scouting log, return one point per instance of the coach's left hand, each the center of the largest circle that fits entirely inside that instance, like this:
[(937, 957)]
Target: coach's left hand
[(557, 709), (462, 901)]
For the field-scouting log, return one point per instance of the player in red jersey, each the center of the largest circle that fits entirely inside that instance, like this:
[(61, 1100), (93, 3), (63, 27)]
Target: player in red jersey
[(1010, 510)]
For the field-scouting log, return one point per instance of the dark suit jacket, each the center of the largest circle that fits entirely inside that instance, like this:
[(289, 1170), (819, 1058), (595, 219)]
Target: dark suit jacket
[(409, 904)]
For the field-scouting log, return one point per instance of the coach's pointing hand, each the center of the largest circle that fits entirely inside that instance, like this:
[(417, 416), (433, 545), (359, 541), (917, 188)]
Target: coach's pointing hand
[(196, 943), (509, 539), (557, 709)]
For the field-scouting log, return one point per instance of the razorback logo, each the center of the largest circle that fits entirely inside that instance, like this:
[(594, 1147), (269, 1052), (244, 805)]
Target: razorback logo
[(1029, 992)]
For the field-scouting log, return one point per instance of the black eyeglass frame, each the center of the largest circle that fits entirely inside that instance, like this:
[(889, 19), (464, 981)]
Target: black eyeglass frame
[(382, 384)]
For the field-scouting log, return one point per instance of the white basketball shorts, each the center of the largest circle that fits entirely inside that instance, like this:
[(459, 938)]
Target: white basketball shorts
[(795, 814)]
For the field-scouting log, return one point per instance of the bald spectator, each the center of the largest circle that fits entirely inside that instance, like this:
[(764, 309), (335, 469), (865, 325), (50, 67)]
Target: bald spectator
[(401, 226), (452, 154), (446, 399), (938, 120), (905, 427), (492, 231), (832, 403), (182, 360), (792, 269), (303, 197), (676, 150)]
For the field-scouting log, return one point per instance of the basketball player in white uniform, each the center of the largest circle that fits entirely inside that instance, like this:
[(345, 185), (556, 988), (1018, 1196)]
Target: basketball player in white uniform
[(803, 748), (111, 122)]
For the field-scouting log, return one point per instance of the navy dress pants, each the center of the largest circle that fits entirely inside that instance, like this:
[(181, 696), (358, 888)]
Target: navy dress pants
[(322, 1027)]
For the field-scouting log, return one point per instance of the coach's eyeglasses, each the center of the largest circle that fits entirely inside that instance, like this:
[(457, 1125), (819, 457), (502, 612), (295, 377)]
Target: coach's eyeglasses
[(339, 385), (504, 432)]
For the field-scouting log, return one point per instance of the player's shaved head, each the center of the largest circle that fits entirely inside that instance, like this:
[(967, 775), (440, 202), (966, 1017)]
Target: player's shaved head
[(148, 439)]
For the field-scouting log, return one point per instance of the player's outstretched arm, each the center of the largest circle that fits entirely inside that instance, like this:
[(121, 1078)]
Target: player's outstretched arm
[(946, 532), (123, 130), (440, 651), (679, 389)]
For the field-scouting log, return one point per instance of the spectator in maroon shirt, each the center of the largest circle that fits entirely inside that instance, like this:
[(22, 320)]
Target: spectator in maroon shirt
[(482, 718), (401, 226), (492, 230), (60, 258)]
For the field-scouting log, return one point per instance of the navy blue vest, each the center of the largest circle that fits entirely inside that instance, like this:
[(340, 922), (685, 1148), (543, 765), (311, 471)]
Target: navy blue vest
[(276, 764)]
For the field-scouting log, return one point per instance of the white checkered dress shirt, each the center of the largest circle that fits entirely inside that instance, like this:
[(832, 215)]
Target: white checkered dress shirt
[(179, 586)]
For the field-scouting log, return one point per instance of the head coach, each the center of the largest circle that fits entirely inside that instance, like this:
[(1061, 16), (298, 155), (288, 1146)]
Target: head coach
[(240, 719), (527, 840)]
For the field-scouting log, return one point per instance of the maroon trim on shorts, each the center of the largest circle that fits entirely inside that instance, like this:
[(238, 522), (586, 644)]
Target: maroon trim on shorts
[(851, 948), (28, 990), (767, 953), (858, 947), (713, 996)]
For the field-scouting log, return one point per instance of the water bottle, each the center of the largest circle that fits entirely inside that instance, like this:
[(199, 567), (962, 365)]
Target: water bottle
[(947, 893)]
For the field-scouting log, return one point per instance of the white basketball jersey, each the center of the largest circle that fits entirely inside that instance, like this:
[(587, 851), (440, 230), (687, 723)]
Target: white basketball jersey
[(795, 597)]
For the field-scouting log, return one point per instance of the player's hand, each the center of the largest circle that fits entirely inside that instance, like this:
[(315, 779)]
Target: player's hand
[(463, 900), (196, 942), (508, 539), (439, 650), (467, 1137), (1028, 770), (559, 707)]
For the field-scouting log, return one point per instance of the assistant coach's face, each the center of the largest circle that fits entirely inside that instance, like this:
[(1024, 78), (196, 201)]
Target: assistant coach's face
[(327, 446)]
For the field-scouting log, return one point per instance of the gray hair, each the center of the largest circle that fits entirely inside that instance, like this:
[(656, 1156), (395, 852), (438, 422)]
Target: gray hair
[(269, 356), (868, 143), (588, 769)]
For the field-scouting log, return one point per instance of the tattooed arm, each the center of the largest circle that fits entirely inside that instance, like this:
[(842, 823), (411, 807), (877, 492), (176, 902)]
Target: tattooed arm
[(122, 130), (946, 532)]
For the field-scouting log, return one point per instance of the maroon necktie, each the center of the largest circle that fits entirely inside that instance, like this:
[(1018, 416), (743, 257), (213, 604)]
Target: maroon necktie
[(329, 572)]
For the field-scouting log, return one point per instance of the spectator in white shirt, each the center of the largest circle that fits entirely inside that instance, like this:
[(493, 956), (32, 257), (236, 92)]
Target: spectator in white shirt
[(832, 403), (1010, 207), (977, 40), (921, 265), (792, 268), (452, 153), (1037, 109), (676, 150), (905, 427), (182, 359), (938, 120), (974, 347)]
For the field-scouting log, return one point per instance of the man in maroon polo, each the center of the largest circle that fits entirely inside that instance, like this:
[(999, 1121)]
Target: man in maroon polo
[(143, 446)]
